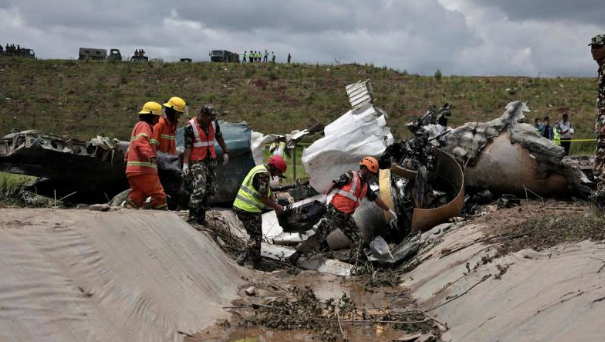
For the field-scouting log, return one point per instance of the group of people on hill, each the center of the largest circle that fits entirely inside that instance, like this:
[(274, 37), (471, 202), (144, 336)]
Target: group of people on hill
[(259, 57), (139, 53), (561, 133), (12, 49)]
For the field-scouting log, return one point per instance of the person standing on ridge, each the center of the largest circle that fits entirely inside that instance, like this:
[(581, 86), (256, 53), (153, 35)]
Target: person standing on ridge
[(566, 130)]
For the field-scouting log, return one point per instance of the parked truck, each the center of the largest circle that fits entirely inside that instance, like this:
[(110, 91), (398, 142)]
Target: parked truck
[(99, 54), (224, 56)]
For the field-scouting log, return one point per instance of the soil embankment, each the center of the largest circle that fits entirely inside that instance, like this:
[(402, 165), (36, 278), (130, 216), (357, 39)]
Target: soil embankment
[(125, 275)]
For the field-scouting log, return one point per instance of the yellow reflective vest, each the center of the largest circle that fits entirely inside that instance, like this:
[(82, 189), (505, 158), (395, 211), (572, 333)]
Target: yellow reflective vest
[(248, 199), (556, 136)]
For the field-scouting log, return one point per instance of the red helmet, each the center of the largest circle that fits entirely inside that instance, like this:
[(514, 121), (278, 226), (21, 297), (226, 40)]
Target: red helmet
[(278, 162)]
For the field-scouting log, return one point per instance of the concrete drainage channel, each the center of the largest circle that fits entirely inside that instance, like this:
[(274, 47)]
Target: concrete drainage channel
[(128, 275)]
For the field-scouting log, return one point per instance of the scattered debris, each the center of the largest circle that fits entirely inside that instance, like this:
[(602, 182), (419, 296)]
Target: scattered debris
[(250, 291), (303, 310), (99, 207)]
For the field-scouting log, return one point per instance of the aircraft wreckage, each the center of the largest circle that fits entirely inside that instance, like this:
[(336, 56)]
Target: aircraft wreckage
[(423, 178)]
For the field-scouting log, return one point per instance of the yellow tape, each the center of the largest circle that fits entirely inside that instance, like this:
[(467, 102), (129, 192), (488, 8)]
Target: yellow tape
[(580, 140)]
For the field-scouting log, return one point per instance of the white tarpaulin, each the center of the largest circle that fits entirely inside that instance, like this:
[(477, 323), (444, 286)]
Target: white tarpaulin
[(358, 133), (128, 275)]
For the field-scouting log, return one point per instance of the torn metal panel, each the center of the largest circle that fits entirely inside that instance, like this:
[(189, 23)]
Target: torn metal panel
[(360, 93), (358, 133), (292, 239), (507, 156), (448, 171)]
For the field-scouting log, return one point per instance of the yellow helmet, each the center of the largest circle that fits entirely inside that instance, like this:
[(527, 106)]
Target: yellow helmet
[(151, 108), (177, 104)]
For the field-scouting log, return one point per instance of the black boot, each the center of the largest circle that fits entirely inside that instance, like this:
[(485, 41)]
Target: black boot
[(192, 215), (257, 264), (241, 259), (201, 217), (292, 259)]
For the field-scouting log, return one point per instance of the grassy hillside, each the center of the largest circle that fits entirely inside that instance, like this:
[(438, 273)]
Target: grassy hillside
[(83, 99)]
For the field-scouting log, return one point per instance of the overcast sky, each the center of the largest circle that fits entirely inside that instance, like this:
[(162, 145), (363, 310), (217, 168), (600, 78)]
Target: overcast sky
[(460, 37)]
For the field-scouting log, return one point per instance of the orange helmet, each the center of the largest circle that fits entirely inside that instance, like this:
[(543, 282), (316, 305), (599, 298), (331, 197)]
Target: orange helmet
[(371, 163)]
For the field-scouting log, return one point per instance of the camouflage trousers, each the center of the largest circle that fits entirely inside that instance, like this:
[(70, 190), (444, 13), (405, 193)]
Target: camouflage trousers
[(599, 165), (253, 222), (203, 182), (332, 220)]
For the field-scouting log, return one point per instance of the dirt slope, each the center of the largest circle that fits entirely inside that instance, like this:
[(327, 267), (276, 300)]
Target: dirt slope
[(126, 275)]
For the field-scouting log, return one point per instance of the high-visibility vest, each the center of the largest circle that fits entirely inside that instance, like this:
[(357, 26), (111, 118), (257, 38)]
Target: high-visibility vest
[(140, 151), (347, 198), (248, 199), (202, 143), (164, 136), (556, 136)]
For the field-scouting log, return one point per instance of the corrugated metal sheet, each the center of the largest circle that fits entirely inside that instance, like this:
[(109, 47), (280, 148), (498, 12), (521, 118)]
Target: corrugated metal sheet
[(360, 93)]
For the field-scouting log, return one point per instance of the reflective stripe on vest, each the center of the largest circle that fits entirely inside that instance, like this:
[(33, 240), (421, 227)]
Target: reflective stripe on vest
[(248, 199), (198, 142), (201, 147), (347, 198), (139, 163), (136, 137), (166, 136), (350, 194)]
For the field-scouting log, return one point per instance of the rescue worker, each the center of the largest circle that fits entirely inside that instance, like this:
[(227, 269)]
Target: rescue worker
[(253, 196), (164, 132), (251, 56), (566, 130), (141, 165), (266, 57), (289, 57), (348, 191), (556, 136), (199, 160), (272, 57), (244, 58), (597, 49)]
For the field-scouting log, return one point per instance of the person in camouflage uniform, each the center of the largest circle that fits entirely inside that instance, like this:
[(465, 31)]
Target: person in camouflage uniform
[(597, 45), (348, 191), (252, 198), (199, 160)]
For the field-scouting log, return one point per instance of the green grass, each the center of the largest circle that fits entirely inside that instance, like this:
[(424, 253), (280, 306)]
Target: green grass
[(12, 192), (83, 99), (296, 156)]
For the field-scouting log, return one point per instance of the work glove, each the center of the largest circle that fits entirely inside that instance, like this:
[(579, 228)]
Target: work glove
[(393, 214), (279, 210), (186, 169), (225, 158)]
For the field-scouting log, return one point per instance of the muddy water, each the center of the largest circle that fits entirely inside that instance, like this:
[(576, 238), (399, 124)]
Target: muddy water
[(326, 287)]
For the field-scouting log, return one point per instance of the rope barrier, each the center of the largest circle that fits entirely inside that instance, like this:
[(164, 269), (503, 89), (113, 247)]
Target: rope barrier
[(579, 140)]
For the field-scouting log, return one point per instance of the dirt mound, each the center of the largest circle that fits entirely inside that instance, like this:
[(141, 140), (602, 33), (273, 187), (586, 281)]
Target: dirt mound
[(126, 275)]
